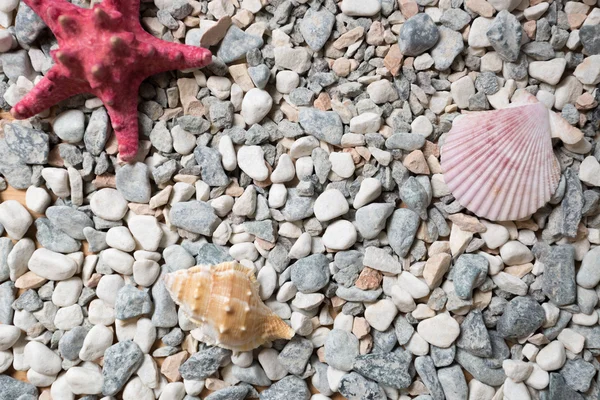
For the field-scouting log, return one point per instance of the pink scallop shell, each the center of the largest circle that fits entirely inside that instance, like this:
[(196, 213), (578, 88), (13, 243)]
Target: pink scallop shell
[(500, 164)]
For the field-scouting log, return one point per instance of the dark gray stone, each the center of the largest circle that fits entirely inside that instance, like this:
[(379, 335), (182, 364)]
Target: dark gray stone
[(316, 27), (477, 367), (30, 145), (405, 141), (12, 389), (69, 220), (54, 239), (469, 272), (28, 25), (572, 204), (590, 38), (392, 369), (442, 357), (311, 274), (28, 301), (558, 280), (204, 363), (426, 370), (96, 132), (402, 228), (288, 388), (72, 342), (132, 303), (447, 48), (403, 330), (297, 207), (474, 336), (229, 393), (355, 294), (578, 374), (16, 172), (295, 355), (324, 125), (121, 360), (209, 160), (453, 382), (487, 83), (165, 313), (383, 341), (415, 197), (505, 36), (522, 316), (195, 216), (558, 389), (193, 124), (7, 297), (236, 43), (133, 182), (540, 51), (417, 35), (356, 387)]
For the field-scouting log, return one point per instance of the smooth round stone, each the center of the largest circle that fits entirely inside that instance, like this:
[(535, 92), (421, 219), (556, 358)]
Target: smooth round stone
[(136, 390), (85, 380), (588, 274), (228, 157), (8, 336), (51, 265), (6, 41), (285, 170), (68, 317), (15, 219), (330, 204), (101, 313), (422, 126), (98, 339), (417, 35), (342, 164), (108, 287), (146, 231), (370, 189), (381, 314), (37, 199), (269, 361), (286, 81), (6, 360), (495, 236), (551, 357), (145, 272), (66, 293), (340, 235), (117, 260), (256, 105), (515, 253), (70, 126), (441, 330), (251, 160), (120, 238), (341, 349), (41, 359), (40, 380), (360, 8), (109, 204), (8, 5)]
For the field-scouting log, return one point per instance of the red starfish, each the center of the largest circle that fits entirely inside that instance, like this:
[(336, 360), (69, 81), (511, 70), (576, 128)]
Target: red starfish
[(106, 52)]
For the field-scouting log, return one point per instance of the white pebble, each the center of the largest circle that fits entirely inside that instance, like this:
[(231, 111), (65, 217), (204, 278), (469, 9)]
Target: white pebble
[(41, 359), (381, 314), (340, 235), (251, 160), (330, 204), (551, 357), (37, 199), (256, 105), (15, 218)]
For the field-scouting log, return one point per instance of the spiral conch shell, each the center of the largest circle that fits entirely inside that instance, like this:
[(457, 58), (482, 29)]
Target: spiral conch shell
[(224, 301)]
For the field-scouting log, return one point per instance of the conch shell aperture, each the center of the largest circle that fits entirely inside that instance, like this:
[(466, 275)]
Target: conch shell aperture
[(224, 301)]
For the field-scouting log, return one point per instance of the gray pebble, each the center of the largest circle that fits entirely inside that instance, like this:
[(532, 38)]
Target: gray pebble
[(393, 369), (295, 355), (522, 316), (324, 125), (316, 27), (204, 363), (236, 43), (195, 216), (121, 360), (30, 145), (558, 280), (69, 220), (426, 370), (288, 388), (417, 35), (356, 387), (402, 228), (311, 274), (474, 336), (505, 36), (132, 303), (341, 349), (133, 182)]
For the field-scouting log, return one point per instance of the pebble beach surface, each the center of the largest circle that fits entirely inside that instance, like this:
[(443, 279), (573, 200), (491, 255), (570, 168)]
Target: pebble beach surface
[(309, 150)]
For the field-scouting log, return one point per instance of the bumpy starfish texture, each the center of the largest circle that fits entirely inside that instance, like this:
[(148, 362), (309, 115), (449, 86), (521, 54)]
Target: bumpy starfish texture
[(106, 52)]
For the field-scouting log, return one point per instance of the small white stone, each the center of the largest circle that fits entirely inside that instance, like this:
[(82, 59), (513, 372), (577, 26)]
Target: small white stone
[(109, 204), (303, 147), (6, 360), (301, 324), (243, 251), (533, 13), (424, 61), (120, 238), (491, 62), (173, 391), (495, 236), (144, 334), (480, 391), (183, 141), (194, 388), (100, 313), (478, 32), (342, 164), (219, 86), (98, 339), (251, 160), (370, 189), (340, 235), (146, 231), (588, 72), (382, 91), (413, 285), (8, 5), (368, 122), (51, 265), (256, 105), (145, 272), (538, 379), (417, 345), (516, 370), (136, 390), (551, 357), (148, 372), (68, 318), (40, 380), (85, 380), (15, 218), (286, 81), (19, 257), (510, 283), (548, 71), (462, 90), (514, 390), (269, 361), (284, 171), (304, 168), (37, 199), (422, 126), (227, 151), (277, 195), (589, 171), (301, 247), (267, 278), (70, 126), (551, 314), (241, 359), (66, 293), (330, 204), (360, 8), (572, 340), (441, 330), (402, 299), (108, 287), (41, 359), (515, 253), (8, 336), (117, 260), (381, 314)]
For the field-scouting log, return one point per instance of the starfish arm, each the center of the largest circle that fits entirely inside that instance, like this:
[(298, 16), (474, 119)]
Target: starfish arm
[(122, 110), (53, 88), (126, 7), (57, 14), (170, 56)]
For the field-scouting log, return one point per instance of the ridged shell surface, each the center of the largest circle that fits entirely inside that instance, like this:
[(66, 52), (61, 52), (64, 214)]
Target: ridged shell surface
[(500, 164), (224, 301)]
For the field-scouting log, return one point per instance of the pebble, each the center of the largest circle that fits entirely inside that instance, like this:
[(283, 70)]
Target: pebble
[(356, 8), (51, 265), (256, 105), (354, 387), (109, 204), (340, 235), (330, 204), (15, 219), (504, 35), (316, 27), (552, 356), (341, 349), (441, 330), (413, 44), (251, 161), (310, 274), (521, 317), (121, 360), (548, 71), (41, 359), (323, 125), (70, 126), (133, 182), (402, 228)]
